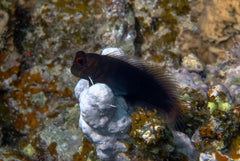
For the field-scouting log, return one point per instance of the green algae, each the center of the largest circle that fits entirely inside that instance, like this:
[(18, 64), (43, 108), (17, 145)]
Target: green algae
[(217, 131), (211, 106), (6, 4), (38, 99), (29, 150), (87, 151), (218, 100), (223, 106), (220, 105)]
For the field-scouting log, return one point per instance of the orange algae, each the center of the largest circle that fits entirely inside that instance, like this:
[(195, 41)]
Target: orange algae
[(2, 57), (234, 155), (25, 114), (8, 73), (26, 119), (79, 6), (212, 96), (206, 132), (52, 148), (6, 155), (87, 147), (51, 86), (15, 155), (235, 146), (220, 157), (22, 144), (26, 86), (236, 111), (28, 80)]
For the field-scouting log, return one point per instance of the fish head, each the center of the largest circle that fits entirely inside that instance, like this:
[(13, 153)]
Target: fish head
[(80, 64), (85, 65)]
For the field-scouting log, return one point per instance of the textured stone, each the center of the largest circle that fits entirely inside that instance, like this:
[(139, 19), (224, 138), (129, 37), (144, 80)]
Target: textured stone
[(184, 145), (3, 20), (3, 23), (192, 63)]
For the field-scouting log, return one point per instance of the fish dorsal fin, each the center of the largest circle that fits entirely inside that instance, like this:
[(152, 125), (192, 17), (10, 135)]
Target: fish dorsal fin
[(119, 54), (158, 72)]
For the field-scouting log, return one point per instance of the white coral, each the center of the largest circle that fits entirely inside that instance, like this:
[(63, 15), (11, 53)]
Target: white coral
[(103, 118)]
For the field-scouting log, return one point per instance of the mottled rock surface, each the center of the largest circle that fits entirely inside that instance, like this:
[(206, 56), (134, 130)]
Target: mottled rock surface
[(38, 110)]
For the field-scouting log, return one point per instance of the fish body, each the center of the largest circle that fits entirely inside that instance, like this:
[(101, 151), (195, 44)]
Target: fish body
[(132, 79)]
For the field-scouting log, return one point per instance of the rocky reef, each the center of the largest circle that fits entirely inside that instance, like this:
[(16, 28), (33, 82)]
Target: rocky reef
[(197, 42)]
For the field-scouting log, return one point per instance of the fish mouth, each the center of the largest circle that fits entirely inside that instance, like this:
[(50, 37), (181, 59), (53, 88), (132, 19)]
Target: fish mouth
[(74, 71)]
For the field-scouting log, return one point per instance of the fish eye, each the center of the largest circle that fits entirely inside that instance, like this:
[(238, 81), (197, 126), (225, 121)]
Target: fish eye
[(81, 61)]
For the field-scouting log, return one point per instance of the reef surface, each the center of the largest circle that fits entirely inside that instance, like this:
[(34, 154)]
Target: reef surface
[(198, 42)]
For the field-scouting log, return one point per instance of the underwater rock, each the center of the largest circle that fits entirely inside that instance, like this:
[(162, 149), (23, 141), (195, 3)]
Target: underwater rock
[(218, 90), (57, 25), (235, 50), (235, 93), (113, 51), (232, 82), (185, 146), (119, 28), (1, 135), (217, 133), (220, 19), (207, 157), (192, 63), (116, 9), (3, 20), (232, 76), (38, 99), (217, 28), (63, 132), (158, 24), (190, 42), (153, 137), (190, 81), (214, 75), (103, 118), (149, 131), (236, 110), (220, 98), (215, 156)]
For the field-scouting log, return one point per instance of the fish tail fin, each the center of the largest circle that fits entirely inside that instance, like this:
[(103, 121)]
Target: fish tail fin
[(176, 120)]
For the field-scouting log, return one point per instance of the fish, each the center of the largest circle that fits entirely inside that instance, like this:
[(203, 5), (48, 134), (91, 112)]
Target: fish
[(132, 79)]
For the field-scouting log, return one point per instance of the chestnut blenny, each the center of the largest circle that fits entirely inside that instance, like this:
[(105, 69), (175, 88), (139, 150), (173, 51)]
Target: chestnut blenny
[(136, 81)]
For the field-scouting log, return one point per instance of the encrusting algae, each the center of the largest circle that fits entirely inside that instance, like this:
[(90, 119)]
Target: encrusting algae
[(25, 106), (152, 138), (162, 31), (148, 129)]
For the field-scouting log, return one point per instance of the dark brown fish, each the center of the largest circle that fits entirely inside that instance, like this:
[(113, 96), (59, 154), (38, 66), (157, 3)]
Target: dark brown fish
[(132, 79)]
